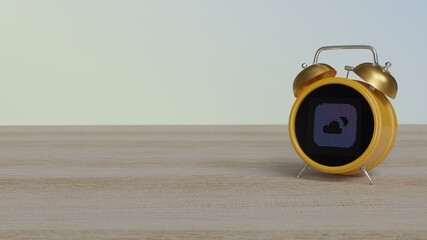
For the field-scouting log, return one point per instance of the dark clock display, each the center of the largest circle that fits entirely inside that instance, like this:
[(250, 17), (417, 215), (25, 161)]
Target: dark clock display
[(334, 125)]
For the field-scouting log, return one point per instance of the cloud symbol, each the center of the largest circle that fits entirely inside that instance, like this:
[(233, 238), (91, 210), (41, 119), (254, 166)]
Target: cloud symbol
[(332, 128)]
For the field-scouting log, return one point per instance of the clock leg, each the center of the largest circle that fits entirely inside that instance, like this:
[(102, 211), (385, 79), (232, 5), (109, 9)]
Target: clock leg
[(302, 170), (367, 174)]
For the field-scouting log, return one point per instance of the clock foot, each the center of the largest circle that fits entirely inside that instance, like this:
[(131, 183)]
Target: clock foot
[(302, 170), (367, 175)]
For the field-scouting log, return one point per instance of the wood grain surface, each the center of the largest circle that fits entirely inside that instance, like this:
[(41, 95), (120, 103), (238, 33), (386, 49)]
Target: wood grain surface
[(199, 182)]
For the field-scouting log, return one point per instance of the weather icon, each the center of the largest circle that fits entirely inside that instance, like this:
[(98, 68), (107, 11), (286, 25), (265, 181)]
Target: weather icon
[(334, 126)]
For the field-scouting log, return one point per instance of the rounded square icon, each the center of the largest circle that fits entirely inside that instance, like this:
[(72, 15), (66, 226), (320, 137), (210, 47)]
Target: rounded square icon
[(335, 125)]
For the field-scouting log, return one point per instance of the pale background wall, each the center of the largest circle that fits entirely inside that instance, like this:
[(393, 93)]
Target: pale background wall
[(192, 61)]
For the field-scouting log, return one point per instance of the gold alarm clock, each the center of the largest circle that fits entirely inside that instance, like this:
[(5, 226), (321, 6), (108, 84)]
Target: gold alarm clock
[(340, 125)]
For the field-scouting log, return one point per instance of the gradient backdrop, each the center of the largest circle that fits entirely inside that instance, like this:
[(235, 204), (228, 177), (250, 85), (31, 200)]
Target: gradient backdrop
[(193, 61)]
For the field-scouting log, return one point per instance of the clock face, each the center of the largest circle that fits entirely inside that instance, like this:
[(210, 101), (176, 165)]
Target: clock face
[(334, 125)]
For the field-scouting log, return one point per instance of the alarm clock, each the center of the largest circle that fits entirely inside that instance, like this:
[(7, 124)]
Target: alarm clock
[(340, 125)]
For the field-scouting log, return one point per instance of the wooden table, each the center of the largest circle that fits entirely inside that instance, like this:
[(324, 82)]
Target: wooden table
[(207, 182)]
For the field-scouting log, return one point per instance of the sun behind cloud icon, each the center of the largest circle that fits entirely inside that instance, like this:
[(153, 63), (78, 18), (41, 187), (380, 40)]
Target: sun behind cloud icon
[(335, 125)]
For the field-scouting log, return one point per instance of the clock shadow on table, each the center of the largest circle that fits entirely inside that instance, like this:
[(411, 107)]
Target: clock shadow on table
[(289, 170)]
